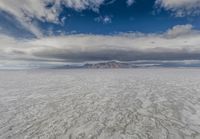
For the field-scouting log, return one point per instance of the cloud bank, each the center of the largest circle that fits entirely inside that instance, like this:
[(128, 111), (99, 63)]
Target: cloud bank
[(178, 43)]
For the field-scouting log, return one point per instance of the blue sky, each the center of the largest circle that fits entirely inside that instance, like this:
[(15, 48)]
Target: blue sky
[(39, 32), (111, 17)]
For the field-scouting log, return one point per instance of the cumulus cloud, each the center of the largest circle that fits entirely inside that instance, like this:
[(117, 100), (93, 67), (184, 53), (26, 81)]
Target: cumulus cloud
[(43, 10), (174, 44), (181, 7), (181, 30)]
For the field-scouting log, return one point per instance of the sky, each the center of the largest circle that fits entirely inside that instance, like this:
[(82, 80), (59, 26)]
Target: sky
[(50, 33)]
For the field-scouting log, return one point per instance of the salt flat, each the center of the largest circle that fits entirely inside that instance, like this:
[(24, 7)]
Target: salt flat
[(100, 104)]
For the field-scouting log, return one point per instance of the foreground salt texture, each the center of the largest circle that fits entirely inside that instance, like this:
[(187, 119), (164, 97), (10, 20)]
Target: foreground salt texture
[(103, 104)]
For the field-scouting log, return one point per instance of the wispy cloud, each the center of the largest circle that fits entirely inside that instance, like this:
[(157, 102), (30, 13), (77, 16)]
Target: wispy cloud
[(130, 2), (104, 19), (25, 11), (180, 7)]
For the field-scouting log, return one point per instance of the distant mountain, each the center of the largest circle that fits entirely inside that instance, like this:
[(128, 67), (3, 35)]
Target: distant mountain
[(105, 65), (108, 65), (131, 64)]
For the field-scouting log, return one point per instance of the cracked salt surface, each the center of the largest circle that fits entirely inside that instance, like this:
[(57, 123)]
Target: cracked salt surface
[(100, 104)]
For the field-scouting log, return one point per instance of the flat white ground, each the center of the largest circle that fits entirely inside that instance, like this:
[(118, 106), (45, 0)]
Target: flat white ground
[(103, 104)]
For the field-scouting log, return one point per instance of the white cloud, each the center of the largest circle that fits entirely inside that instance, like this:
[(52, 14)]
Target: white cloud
[(181, 7), (180, 30), (83, 4), (26, 10), (179, 43), (104, 19), (107, 20), (130, 2)]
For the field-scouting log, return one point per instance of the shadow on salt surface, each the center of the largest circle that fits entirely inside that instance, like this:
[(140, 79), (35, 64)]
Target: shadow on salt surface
[(89, 104)]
